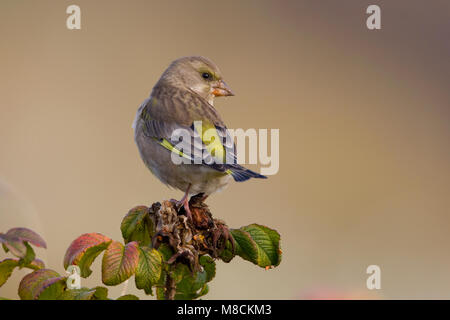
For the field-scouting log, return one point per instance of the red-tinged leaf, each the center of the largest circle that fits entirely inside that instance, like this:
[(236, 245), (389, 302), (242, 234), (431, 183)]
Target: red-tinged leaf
[(14, 244), (41, 284), (52, 288), (6, 268), (119, 262), (29, 256), (97, 293), (28, 235), (83, 251)]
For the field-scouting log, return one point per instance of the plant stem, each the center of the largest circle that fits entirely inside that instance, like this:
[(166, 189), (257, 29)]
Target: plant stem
[(170, 288)]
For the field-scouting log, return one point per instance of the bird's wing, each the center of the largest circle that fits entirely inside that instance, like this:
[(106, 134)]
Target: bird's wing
[(206, 140)]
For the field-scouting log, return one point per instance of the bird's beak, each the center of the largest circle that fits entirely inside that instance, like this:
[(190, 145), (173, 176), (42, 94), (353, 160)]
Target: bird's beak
[(221, 89)]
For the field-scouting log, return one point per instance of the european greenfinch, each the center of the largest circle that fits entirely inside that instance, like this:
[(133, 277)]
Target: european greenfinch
[(183, 99)]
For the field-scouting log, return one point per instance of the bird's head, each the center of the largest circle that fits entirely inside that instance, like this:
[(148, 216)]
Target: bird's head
[(198, 74)]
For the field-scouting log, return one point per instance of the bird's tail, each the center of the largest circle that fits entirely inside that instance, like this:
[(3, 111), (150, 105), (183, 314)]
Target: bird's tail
[(240, 174)]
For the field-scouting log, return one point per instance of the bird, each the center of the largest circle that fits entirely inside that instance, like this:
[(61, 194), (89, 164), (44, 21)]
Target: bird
[(183, 100)]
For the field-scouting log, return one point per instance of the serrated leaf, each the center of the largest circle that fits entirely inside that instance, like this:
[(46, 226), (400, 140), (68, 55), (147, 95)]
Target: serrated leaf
[(97, 293), (27, 235), (42, 284), (128, 297), (149, 269), (258, 244), (13, 244), (194, 286), (137, 226), (119, 262), (268, 244), (78, 294), (246, 247), (190, 287), (6, 268), (83, 251)]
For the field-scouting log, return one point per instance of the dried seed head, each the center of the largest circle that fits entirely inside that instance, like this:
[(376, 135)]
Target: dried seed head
[(189, 239)]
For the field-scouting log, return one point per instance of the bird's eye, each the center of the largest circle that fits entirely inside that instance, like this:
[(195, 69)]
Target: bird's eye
[(206, 75)]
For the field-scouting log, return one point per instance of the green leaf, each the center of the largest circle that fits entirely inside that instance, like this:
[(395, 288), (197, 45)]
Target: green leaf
[(29, 256), (227, 254), (97, 293), (245, 246), (119, 262), (13, 244), (83, 251), (190, 286), (203, 291), (258, 244), (166, 251), (137, 226), (101, 293), (149, 269), (6, 268), (43, 284), (209, 266), (28, 235), (160, 286), (52, 288), (36, 264), (268, 243), (78, 294), (128, 297), (179, 271), (194, 286)]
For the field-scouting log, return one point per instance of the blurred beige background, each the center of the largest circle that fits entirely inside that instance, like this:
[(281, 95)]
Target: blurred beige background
[(364, 132)]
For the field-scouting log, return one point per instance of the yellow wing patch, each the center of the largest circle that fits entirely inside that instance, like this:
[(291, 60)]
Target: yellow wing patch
[(166, 144), (211, 140)]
